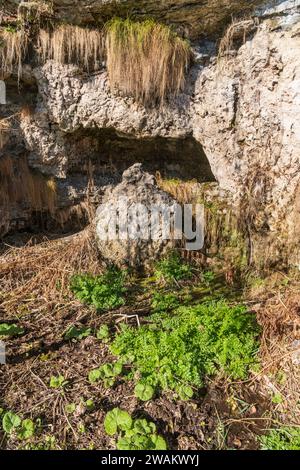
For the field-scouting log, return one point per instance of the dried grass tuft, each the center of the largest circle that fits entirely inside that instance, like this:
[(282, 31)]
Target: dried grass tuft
[(72, 45), (19, 185), (36, 276), (13, 49), (146, 60)]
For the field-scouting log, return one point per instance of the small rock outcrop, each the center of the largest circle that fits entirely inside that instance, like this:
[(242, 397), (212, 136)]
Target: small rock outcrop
[(132, 201)]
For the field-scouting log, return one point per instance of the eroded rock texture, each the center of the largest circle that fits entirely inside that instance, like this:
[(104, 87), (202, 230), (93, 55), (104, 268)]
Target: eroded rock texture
[(237, 121), (137, 192)]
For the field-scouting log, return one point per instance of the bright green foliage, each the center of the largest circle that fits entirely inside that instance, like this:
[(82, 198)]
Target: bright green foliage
[(103, 333), (136, 434), (77, 333), (70, 408), (143, 391), (58, 382), (286, 438), (173, 269), (177, 352), (27, 429), (10, 422), (107, 373), (163, 302), (117, 420), (10, 330), (48, 443), (105, 292)]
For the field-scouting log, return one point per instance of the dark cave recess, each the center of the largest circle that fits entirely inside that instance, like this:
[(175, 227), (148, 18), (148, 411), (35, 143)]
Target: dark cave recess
[(112, 152)]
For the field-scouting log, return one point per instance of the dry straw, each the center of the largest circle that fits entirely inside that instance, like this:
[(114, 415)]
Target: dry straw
[(146, 60), (19, 185), (13, 49), (72, 45)]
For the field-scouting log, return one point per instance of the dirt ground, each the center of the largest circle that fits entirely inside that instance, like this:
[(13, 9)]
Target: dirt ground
[(223, 415)]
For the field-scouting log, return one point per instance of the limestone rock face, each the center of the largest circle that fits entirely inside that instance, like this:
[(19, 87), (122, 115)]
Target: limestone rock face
[(136, 188), (194, 17), (242, 109)]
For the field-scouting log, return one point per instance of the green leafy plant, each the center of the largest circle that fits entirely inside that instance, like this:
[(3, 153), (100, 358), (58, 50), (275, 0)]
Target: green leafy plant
[(107, 373), (58, 381), (132, 434), (178, 352), (47, 443), (77, 333), (172, 268), (103, 333), (27, 429), (11, 422), (10, 330), (163, 302), (143, 391), (285, 438), (70, 408), (104, 292)]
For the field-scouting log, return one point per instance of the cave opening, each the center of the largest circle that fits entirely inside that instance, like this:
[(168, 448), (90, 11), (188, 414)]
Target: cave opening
[(103, 155), (112, 152)]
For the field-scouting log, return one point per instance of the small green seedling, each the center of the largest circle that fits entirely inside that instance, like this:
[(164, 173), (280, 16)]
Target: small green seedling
[(70, 408), (107, 373), (103, 333), (10, 330), (77, 333), (117, 420), (132, 434), (27, 429), (58, 381), (185, 392), (11, 422), (143, 391)]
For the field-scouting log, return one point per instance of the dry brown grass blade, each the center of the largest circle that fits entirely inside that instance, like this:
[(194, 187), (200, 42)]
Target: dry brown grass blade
[(72, 45), (14, 46), (135, 66), (37, 275)]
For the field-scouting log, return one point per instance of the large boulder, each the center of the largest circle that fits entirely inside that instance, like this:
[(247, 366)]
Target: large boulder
[(137, 194)]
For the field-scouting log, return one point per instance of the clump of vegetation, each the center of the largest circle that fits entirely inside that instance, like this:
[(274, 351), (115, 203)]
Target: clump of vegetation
[(106, 373), (10, 329), (138, 434), (77, 333), (104, 292), (13, 424), (13, 49), (19, 184), (286, 438), (177, 352), (72, 45), (172, 269), (164, 301), (146, 60)]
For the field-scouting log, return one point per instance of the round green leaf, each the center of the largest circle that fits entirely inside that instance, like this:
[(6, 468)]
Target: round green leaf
[(158, 442), (144, 391), (10, 421), (115, 420)]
